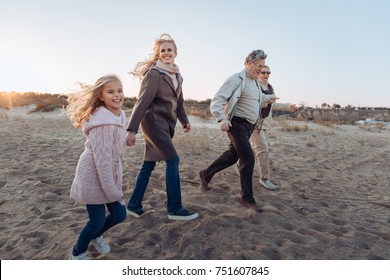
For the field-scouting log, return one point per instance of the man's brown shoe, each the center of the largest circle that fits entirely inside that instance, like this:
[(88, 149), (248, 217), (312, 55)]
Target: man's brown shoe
[(251, 205), (204, 185)]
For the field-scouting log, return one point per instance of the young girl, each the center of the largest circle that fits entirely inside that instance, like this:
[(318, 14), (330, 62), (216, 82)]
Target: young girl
[(98, 179), (159, 106)]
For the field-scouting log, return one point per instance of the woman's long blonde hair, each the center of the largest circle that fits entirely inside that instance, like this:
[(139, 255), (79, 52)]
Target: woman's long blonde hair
[(83, 103), (143, 67)]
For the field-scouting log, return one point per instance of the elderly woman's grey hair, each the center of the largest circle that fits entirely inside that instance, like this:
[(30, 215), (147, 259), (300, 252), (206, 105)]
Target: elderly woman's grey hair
[(255, 55)]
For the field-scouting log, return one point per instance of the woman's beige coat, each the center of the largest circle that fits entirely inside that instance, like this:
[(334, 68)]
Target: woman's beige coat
[(157, 109)]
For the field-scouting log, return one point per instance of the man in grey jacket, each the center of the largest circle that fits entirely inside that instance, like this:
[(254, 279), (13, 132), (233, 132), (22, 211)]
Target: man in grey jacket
[(236, 106)]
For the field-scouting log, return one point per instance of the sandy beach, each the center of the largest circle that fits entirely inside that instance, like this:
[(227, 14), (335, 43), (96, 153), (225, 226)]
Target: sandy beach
[(333, 202)]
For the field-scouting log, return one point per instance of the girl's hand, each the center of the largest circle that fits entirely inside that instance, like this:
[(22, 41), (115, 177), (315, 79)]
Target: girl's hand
[(130, 138)]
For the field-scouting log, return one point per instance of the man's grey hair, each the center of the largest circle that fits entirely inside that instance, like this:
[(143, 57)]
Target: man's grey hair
[(255, 55)]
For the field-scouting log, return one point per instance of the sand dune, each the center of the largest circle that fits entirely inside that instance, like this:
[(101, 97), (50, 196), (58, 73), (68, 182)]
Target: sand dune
[(333, 202)]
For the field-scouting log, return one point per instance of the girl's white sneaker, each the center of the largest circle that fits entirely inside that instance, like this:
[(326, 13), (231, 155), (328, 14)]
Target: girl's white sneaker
[(101, 245), (83, 256)]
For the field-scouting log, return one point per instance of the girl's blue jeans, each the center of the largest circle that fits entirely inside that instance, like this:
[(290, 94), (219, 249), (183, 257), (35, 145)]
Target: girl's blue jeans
[(99, 223), (172, 178)]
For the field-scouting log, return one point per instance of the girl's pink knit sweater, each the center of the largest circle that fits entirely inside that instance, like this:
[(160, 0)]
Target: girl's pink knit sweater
[(98, 178)]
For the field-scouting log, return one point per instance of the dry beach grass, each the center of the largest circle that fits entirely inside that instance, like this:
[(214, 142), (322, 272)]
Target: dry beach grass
[(333, 202)]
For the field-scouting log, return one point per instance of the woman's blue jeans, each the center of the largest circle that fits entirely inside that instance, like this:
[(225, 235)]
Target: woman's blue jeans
[(172, 178), (98, 223)]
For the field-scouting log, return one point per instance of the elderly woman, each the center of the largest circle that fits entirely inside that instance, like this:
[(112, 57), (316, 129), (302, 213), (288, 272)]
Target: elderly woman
[(258, 139)]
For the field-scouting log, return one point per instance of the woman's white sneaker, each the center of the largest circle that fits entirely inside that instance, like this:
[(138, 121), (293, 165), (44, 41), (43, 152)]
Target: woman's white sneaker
[(268, 185)]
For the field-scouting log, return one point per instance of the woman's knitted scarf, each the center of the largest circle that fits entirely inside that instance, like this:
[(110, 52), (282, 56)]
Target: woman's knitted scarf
[(172, 69)]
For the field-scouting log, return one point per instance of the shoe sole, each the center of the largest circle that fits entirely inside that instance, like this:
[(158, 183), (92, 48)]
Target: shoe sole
[(183, 218), (250, 205), (72, 258), (131, 213), (135, 215), (268, 188)]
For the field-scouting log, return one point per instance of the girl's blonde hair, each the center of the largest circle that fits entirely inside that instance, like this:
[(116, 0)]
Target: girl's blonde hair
[(82, 104), (143, 67)]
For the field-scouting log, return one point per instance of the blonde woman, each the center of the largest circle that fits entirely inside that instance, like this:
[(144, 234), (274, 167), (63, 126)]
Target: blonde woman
[(98, 180), (159, 105)]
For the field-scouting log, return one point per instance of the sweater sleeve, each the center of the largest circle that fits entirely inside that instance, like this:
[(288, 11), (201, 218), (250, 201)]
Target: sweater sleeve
[(102, 141), (284, 107)]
